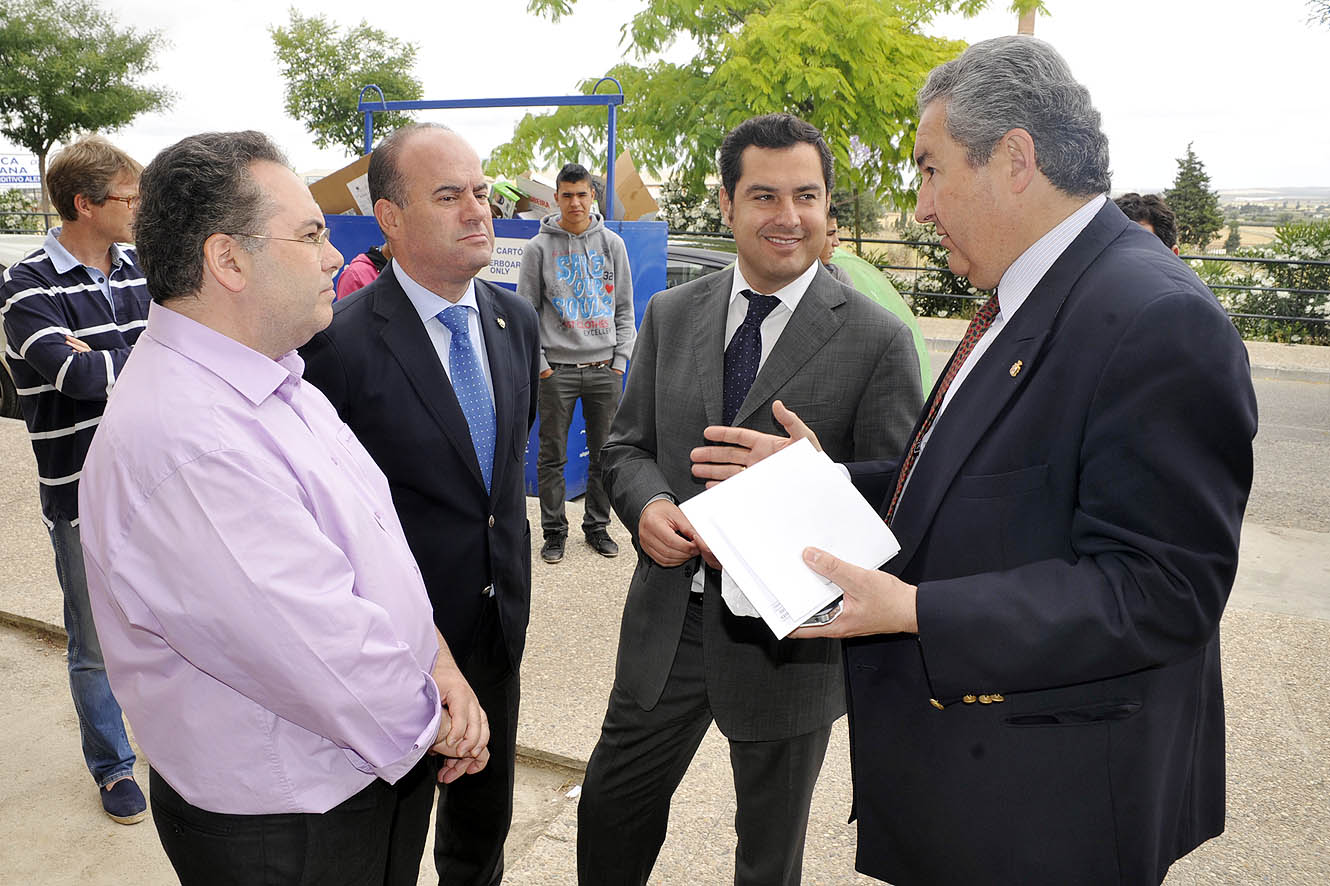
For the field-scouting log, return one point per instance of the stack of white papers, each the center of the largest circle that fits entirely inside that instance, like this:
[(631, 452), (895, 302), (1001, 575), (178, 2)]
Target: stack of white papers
[(759, 521)]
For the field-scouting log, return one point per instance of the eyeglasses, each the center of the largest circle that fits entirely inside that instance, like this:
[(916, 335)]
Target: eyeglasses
[(131, 201), (319, 238)]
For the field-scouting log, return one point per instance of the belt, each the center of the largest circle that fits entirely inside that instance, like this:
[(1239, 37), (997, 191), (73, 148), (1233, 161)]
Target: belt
[(595, 364)]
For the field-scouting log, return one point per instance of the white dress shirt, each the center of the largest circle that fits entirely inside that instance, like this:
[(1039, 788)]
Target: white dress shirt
[(428, 305), (775, 322)]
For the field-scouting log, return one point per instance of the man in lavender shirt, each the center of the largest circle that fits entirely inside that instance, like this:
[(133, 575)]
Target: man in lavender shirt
[(262, 619)]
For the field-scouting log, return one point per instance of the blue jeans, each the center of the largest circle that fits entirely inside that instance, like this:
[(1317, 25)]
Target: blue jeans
[(105, 746)]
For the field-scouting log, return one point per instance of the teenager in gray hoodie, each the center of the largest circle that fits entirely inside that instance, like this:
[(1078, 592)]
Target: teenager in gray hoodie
[(575, 274)]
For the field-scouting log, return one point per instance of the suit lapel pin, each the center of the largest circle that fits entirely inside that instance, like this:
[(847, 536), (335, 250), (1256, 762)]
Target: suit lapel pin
[(1015, 369), (503, 324)]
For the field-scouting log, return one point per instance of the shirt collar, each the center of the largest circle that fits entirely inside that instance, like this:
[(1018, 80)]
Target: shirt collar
[(64, 261), (428, 304), (243, 368), (1024, 274), (789, 294)]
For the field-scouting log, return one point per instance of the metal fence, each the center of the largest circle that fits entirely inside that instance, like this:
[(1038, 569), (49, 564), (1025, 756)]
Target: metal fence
[(28, 222), (934, 290)]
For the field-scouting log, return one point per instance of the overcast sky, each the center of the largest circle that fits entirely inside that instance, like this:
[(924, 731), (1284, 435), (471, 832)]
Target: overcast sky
[(1244, 81)]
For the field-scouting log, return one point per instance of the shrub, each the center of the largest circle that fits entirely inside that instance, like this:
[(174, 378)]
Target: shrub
[(13, 203), (1279, 295)]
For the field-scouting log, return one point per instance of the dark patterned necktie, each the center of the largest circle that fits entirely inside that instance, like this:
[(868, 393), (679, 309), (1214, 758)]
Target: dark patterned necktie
[(468, 381), (975, 331), (745, 352)]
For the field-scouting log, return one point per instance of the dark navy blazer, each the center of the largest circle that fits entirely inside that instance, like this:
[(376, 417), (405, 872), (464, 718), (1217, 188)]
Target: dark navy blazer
[(1073, 528)]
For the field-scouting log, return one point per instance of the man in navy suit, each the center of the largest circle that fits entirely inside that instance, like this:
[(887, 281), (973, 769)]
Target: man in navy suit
[(435, 371), (1034, 687)]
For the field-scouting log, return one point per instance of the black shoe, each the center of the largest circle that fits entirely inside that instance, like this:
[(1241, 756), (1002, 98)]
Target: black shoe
[(124, 802), (601, 543), (552, 550)]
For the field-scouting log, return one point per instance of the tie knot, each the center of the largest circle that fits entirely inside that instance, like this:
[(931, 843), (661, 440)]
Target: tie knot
[(759, 306), (455, 319)]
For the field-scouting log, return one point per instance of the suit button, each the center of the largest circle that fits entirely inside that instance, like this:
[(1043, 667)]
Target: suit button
[(968, 699), (985, 699), (491, 521), (937, 704)]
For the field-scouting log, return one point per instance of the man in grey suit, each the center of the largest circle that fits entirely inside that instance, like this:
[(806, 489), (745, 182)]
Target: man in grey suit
[(727, 349)]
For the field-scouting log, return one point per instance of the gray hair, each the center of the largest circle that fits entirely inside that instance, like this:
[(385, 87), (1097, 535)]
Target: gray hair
[(1022, 83), (200, 186), (385, 177)]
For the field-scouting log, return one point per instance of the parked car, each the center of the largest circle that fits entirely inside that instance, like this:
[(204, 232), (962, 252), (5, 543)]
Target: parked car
[(688, 259)]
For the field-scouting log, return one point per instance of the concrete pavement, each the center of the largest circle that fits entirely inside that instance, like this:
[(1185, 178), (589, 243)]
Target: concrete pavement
[(1276, 639)]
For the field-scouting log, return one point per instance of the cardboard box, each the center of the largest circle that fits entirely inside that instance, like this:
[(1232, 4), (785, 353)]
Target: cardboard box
[(540, 196), (506, 200), (633, 202), (346, 191), (634, 199)]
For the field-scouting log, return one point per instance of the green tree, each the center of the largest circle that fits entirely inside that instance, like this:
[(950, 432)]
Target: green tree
[(849, 67), (325, 70), (1194, 202), (859, 213), (66, 67), (1234, 241)]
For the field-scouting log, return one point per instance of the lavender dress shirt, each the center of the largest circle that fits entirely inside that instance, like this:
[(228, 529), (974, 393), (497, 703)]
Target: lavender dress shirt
[(264, 625)]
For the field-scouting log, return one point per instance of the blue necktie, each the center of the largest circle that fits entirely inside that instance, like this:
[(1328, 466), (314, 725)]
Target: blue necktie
[(745, 352), (469, 384)]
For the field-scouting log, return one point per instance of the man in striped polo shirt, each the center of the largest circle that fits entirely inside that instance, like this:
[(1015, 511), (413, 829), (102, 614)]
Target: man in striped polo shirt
[(72, 310)]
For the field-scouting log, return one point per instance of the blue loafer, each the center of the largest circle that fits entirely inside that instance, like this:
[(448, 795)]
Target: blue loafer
[(124, 802)]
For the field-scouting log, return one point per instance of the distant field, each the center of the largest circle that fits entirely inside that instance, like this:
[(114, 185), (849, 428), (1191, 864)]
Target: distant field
[(1251, 236)]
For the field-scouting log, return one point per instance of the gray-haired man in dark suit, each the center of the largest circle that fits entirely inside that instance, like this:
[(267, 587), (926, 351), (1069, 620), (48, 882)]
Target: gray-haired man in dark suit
[(724, 350)]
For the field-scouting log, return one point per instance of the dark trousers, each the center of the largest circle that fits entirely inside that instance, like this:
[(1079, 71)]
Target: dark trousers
[(641, 757), (476, 811), (599, 387), (374, 838)]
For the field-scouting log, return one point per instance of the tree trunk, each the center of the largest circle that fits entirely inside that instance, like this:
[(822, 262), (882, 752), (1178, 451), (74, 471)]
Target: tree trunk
[(44, 204), (858, 231)]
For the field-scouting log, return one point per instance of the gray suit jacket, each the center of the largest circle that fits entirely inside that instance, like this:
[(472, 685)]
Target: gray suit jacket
[(849, 369)]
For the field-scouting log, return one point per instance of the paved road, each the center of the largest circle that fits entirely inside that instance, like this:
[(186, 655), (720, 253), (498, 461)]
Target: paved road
[(1292, 455)]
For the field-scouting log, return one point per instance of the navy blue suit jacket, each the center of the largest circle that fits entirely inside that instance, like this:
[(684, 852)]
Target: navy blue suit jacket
[(1072, 526), (377, 366)]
